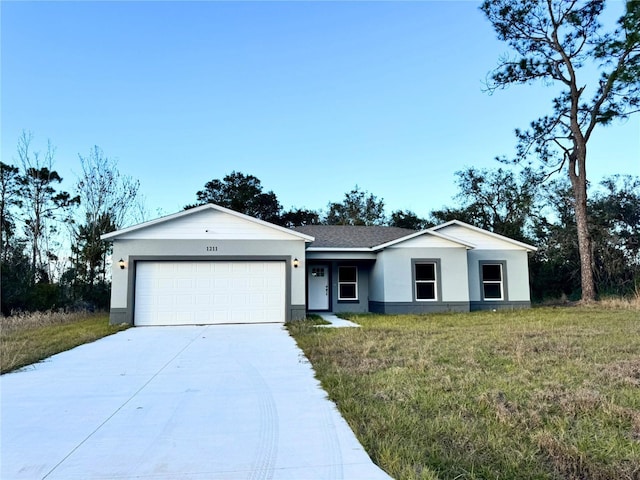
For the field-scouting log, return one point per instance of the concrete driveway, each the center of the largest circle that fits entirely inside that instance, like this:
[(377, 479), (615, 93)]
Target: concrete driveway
[(201, 402)]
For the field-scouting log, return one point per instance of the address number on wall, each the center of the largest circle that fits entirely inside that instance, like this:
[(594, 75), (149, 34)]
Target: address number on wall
[(212, 248)]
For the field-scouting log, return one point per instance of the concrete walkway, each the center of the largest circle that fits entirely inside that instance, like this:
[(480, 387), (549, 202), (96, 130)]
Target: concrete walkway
[(336, 322), (217, 402)]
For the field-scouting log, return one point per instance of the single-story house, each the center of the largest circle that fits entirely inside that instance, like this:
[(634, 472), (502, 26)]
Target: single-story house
[(210, 265)]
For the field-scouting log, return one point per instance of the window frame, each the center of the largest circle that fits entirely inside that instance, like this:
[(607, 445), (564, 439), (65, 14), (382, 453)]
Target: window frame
[(502, 283), (349, 282), (437, 283)]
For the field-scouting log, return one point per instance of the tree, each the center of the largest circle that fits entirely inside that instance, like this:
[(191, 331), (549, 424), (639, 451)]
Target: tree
[(562, 42), (495, 200), (615, 227), (9, 199), (43, 206), (16, 277), (614, 224), (408, 219), (297, 217), (91, 252), (358, 208), (104, 190), (241, 193), (109, 201), (555, 266)]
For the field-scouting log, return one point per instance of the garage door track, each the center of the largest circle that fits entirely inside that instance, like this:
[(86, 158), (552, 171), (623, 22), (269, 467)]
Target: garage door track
[(192, 402)]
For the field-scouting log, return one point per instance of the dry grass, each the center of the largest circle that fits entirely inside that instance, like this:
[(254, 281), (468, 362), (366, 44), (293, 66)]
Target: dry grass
[(31, 337), (619, 303), (27, 320), (546, 393)]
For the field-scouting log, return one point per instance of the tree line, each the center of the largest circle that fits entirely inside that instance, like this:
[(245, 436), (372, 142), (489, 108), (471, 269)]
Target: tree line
[(52, 255)]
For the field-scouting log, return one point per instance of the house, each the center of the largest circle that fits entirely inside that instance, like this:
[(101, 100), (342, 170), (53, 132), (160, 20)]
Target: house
[(210, 265), (451, 267)]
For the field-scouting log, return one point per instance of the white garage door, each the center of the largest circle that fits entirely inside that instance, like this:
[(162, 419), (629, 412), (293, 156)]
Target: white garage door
[(188, 293)]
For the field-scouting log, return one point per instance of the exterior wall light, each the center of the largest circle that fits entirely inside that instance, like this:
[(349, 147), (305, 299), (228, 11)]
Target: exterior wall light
[(296, 263), (121, 263)]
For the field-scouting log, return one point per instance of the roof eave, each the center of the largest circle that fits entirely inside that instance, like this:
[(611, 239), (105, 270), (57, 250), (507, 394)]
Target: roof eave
[(209, 206), (423, 232), (526, 246), (339, 249)]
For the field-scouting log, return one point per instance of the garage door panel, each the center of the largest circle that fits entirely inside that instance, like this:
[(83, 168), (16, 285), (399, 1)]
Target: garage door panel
[(186, 300), (204, 300), (185, 317), (221, 267), (203, 267), (180, 293), (184, 284)]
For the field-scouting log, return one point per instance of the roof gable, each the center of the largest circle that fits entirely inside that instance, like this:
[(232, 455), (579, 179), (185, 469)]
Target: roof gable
[(352, 236), (426, 238), (482, 239), (207, 222)]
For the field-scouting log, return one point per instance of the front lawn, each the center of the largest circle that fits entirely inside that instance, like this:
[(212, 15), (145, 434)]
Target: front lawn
[(546, 393), (29, 338)]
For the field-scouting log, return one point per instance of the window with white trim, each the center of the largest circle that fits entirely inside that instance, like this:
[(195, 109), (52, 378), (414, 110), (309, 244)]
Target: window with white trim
[(426, 287), (492, 281), (347, 283)]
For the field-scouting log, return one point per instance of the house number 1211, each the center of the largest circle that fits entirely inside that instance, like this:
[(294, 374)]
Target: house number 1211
[(212, 248)]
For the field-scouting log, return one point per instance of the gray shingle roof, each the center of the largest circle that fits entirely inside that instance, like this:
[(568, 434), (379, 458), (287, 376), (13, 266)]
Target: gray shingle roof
[(348, 236)]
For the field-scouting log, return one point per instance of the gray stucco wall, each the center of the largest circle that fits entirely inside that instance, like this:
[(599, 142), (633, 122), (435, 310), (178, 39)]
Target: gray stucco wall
[(122, 290), (360, 305), (357, 306)]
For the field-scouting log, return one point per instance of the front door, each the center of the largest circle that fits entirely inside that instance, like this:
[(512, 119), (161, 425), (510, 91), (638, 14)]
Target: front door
[(318, 287)]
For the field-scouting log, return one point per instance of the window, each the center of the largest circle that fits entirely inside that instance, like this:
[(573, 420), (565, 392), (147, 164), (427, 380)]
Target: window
[(347, 283), (425, 275), (492, 285)]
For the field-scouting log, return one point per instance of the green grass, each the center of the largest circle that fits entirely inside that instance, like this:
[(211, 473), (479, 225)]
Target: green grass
[(30, 338), (546, 393)]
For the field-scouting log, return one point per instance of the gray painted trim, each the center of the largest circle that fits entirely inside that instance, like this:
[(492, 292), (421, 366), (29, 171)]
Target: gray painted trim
[(505, 282), (133, 259), (499, 305), (417, 307), (118, 316), (438, 299), (298, 312)]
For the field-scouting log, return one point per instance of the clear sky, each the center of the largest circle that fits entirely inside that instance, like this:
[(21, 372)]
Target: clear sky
[(310, 97)]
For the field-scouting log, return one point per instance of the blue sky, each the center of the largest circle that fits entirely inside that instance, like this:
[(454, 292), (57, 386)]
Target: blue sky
[(310, 97)]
